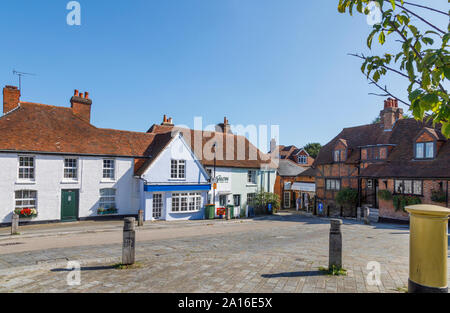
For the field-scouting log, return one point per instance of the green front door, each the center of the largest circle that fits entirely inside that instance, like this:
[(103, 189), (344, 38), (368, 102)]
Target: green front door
[(69, 205)]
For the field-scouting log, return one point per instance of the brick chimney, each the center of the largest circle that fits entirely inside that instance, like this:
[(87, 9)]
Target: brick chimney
[(11, 98), (391, 114), (81, 105), (226, 126), (273, 145), (167, 121)]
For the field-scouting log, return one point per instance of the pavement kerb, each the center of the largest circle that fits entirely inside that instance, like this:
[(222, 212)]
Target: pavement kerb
[(147, 226)]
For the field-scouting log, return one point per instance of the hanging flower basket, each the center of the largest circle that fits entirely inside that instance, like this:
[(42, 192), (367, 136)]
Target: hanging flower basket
[(103, 211), (26, 212)]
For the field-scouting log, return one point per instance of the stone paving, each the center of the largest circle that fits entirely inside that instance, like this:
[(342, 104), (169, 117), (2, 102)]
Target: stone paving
[(274, 259)]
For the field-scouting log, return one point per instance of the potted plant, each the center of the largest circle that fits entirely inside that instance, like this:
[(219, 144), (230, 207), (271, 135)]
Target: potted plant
[(438, 196), (26, 212), (106, 211)]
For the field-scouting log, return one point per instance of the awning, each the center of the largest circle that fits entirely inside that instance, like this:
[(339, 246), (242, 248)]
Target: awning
[(157, 188), (310, 187)]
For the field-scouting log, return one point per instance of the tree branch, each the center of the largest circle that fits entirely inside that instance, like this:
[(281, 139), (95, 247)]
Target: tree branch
[(423, 7), (362, 57), (387, 93), (422, 19)]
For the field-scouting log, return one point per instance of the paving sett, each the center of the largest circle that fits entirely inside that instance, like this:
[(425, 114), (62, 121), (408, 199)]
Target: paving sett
[(283, 259)]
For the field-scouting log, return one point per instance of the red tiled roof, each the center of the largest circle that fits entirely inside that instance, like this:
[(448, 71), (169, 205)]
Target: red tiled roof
[(228, 140), (43, 128), (400, 161)]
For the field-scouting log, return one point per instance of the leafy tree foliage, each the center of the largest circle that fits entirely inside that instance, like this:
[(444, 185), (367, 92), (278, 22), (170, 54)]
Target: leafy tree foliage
[(313, 149), (422, 58)]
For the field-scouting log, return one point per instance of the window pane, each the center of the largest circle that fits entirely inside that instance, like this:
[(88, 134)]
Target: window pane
[(430, 150), (338, 185), (407, 187), (418, 187), (398, 186), (419, 150)]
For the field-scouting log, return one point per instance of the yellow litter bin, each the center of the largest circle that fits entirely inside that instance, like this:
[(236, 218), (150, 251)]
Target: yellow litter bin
[(428, 245)]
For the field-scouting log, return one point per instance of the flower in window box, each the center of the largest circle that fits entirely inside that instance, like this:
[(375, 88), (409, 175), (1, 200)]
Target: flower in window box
[(26, 212)]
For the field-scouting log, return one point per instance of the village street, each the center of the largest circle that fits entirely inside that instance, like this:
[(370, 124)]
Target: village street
[(269, 254)]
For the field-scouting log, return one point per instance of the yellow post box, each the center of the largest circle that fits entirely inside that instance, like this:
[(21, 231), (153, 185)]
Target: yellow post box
[(428, 245)]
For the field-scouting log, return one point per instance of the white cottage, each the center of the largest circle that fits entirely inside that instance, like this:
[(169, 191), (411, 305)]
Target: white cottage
[(56, 166), (175, 183), (239, 169)]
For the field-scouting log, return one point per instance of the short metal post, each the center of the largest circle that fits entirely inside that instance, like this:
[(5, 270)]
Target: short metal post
[(141, 218), (335, 252), (367, 215), (15, 224), (129, 241)]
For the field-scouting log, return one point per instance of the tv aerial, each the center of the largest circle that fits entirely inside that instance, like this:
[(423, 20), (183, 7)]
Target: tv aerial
[(20, 74)]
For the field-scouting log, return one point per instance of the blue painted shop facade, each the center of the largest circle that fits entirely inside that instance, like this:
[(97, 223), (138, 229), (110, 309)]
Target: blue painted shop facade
[(175, 185)]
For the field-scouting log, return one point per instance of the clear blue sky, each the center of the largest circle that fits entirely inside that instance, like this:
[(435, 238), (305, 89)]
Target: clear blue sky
[(255, 61)]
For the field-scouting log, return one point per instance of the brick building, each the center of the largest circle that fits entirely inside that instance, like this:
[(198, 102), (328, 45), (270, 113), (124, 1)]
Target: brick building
[(295, 178), (392, 163)]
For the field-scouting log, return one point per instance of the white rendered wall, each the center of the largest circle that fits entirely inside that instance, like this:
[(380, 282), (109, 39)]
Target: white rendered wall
[(49, 182)]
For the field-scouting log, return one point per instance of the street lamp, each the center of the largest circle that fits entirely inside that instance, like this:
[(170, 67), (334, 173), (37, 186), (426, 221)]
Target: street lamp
[(214, 179)]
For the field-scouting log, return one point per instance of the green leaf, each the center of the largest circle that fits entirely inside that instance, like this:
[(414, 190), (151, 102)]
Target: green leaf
[(447, 72), (393, 4), (445, 129), (415, 94), (382, 38), (370, 39), (430, 99)]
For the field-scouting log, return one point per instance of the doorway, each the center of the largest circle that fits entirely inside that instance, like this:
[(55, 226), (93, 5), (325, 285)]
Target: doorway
[(157, 205), (69, 205)]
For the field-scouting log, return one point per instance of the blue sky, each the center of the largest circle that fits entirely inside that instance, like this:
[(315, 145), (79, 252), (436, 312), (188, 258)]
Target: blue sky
[(254, 61)]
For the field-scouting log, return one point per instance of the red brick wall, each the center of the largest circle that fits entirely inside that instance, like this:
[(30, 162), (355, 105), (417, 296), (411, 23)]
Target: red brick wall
[(11, 98), (387, 208)]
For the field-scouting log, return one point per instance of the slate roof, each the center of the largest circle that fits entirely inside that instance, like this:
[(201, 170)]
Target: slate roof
[(34, 127), (288, 168), (400, 161)]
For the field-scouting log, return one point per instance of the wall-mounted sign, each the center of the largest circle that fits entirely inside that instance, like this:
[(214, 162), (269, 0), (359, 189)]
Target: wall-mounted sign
[(222, 179)]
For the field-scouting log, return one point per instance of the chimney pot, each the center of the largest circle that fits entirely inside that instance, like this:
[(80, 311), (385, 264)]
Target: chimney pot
[(81, 105)]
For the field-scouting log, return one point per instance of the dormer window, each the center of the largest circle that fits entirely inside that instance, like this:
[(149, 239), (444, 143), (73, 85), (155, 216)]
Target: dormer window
[(302, 159), (425, 150), (339, 155)]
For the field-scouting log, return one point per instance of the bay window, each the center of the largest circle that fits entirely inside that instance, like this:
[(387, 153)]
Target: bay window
[(186, 202)]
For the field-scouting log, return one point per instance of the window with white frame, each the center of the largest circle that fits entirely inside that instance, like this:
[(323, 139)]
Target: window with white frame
[(186, 202), (109, 167), (70, 168), (333, 184), (178, 169), (26, 167), (108, 198), (25, 199), (409, 187), (302, 159), (251, 177), (425, 150)]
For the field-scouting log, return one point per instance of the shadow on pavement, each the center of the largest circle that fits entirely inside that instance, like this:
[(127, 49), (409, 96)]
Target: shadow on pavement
[(86, 268), (295, 274)]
